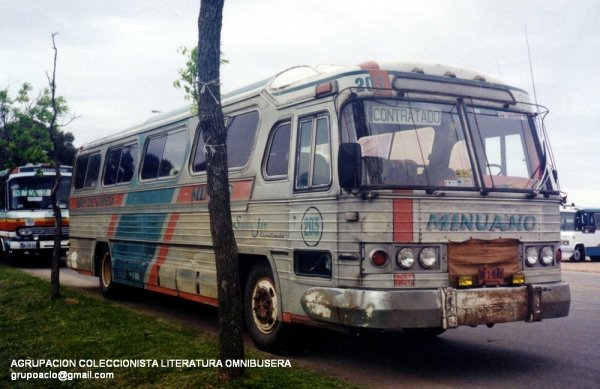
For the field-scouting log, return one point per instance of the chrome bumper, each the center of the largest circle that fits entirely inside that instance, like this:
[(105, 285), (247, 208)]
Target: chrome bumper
[(445, 307)]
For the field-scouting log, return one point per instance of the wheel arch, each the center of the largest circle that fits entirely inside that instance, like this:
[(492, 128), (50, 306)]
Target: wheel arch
[(99, 249)]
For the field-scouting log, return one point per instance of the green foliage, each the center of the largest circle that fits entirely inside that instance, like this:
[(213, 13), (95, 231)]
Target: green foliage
[(24, 123), (188, 76)]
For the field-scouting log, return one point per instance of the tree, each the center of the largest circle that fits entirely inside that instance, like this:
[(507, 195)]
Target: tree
[(24, 123), (188, 76), (212, 126), (53, 133)]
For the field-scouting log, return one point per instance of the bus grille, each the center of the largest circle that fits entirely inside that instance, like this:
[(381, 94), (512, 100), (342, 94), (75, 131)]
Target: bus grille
[(48, 231), (468, 258)]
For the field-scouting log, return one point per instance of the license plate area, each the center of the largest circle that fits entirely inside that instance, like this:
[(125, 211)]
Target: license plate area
[(491, 276), (29, 245)]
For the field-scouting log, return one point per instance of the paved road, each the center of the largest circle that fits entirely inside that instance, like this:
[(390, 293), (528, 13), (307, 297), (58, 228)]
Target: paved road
[(555, 353)]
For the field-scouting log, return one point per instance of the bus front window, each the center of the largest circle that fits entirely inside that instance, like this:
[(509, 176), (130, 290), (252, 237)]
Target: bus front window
[(506, 149), (34, 192), (406, 143)]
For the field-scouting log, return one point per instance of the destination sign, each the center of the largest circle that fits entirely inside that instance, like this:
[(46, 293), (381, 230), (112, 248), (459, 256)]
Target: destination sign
[(382, 114), (30, 192)]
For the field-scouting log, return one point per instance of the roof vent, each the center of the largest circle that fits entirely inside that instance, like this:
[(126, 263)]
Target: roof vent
[(417, 70), (479, 78), (450, 74)]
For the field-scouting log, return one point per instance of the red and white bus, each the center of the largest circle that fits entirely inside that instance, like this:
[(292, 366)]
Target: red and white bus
[(26, 215)]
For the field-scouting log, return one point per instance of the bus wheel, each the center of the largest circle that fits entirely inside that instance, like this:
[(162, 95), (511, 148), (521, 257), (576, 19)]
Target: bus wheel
[(262, 310), (107, 284), (578, 254)]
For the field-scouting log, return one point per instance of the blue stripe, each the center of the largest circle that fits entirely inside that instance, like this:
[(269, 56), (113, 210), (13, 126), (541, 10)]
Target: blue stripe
[(592, 251), (131, 261), (144, 227), (149, 197)]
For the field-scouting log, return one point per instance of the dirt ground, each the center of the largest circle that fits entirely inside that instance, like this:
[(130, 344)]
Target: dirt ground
[(586, 266)]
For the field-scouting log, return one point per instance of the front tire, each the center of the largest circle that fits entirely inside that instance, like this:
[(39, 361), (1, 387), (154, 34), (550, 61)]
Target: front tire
[(262, 311), (578, 254), (109, 288)]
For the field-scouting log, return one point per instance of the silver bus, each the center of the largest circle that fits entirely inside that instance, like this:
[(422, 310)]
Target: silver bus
[(386, 195)]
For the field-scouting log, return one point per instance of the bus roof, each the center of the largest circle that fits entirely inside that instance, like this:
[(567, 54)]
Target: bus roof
[(298, 84), (32, 169)]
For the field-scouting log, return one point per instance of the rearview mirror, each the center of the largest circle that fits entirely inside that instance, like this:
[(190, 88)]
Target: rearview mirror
[(350, 166)]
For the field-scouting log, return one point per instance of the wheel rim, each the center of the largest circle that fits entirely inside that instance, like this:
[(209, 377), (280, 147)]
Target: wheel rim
[(577, 255), (106, 273), (264, 306)]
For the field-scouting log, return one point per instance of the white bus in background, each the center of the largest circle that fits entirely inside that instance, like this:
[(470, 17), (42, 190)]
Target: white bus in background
[(579, 237)]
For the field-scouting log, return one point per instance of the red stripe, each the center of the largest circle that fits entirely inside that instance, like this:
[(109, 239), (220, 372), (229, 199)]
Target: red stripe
[(380, 78), (160, 289), (199, 299), (112, 226), (370, 65), (13, 224), (162, 255), (403, 220)]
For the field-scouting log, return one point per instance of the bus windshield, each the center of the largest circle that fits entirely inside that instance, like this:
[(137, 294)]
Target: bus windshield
[(567, 221), (423, 144), (34, 192)]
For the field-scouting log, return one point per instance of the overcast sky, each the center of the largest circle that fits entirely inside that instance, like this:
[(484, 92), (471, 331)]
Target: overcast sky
[(118, 59)]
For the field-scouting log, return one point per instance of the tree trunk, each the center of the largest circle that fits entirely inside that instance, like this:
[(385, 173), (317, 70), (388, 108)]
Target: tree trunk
[(212, 125), (55, 269)]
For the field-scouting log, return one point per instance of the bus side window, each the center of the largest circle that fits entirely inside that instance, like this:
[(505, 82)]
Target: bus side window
[(87, 171), (278, 151), (241, 132), (120, 164), (313, 154), (164, 155)]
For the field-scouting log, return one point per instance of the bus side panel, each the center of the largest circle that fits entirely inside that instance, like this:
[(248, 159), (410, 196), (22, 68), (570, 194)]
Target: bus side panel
[(86, 229)]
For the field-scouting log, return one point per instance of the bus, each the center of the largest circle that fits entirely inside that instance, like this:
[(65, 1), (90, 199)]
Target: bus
[(578, 236), (387, 195), (26, 215)]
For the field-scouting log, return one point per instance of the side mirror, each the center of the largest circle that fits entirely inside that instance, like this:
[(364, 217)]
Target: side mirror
[(350, 166)]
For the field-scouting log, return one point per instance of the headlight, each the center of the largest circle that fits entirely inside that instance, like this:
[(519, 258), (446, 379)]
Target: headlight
[(25, 231), (428, 257), (531, 256), (546, 255), (565, 243), (405, 258)]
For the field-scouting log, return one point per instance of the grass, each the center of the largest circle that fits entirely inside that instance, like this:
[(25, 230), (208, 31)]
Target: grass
[(78, 327)]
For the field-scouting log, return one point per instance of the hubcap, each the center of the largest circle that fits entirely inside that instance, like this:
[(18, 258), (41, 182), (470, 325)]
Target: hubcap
[(106, 271), (265, 306)]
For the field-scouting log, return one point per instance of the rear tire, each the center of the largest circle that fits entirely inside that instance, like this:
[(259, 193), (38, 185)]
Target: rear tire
[(262, 311), (109, 288)]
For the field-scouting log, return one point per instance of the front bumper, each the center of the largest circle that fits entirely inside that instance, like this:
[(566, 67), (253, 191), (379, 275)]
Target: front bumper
[(445, 307), (36, 245)]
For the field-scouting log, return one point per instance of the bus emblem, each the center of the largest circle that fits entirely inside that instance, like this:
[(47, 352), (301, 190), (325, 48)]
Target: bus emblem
[(312, 226)]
